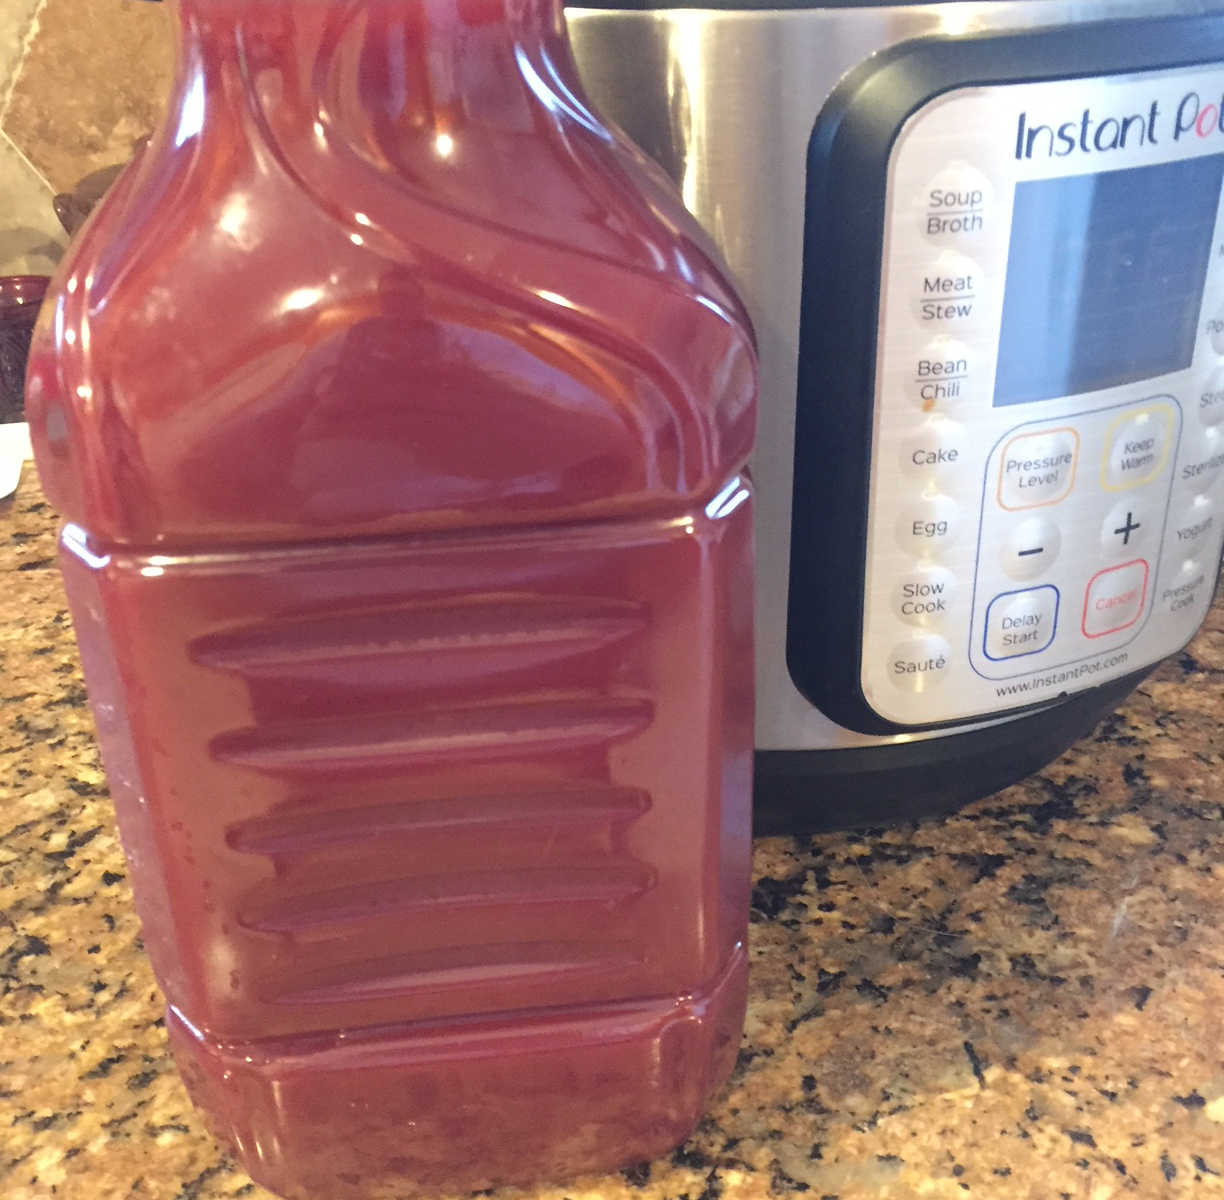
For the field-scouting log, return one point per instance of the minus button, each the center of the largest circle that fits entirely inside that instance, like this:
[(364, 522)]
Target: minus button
[(1029, 547)]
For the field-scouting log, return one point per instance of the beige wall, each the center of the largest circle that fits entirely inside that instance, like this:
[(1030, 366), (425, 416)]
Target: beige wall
[(80, 81)]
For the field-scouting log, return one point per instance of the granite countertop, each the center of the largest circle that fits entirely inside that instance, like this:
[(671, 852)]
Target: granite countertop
[(1024, 1000)]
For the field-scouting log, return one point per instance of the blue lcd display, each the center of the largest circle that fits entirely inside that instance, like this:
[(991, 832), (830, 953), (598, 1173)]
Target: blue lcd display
[(1105, 278)]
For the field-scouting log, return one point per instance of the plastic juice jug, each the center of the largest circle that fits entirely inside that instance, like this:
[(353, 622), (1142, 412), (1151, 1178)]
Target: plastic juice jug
[(397, 414)]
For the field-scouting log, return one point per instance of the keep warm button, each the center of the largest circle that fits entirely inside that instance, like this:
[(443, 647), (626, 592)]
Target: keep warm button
[(1115, 597)]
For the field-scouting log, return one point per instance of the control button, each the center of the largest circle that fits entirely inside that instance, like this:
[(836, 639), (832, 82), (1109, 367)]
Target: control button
[(1128, 526), (924, 596), (928, 525), (1190, 586), (941, 375), (1193, 524), (1031, 547), (1211, 400), (1021, 622), (1038, 468), (935, 451), (1138, 444), (920, 664), (955, 204), (1215, 331), (946, 294), (1202, 463), (1114, 598)]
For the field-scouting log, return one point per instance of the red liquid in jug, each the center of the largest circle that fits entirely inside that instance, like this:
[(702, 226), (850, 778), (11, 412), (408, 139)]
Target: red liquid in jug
[(398, 415)]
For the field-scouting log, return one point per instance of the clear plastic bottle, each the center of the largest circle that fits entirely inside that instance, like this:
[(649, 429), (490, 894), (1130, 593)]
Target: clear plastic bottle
[(398, 414)]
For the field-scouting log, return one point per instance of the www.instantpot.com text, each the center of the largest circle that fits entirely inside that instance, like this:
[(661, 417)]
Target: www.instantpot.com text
[(1054, 678)]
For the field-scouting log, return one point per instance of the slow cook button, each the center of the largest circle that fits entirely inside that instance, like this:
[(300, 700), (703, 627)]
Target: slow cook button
[(1020, 623), (1114, 598), (1037, 468), (924, 596), (935, 450), (956, 204), (928, 525), (1138, 445), (946, 293), (920, 664)]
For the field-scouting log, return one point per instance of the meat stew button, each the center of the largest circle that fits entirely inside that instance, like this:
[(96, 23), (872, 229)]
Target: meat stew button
[(1114, 598)]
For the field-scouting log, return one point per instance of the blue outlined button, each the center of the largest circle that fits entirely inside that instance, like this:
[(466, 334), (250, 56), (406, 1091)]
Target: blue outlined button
[(1021, 622)]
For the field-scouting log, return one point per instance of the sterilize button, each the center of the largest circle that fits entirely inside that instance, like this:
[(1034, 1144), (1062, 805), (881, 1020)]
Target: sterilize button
[(947, 292), (1038, 468), (1114, 598), (1211, 399), (919, 664), (956, 204), (1030, 548)]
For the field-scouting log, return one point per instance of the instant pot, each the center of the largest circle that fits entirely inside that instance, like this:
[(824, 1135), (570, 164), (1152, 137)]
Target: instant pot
[(982, 244)]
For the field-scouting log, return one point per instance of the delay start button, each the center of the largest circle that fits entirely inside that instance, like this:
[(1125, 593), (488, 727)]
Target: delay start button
[(1023, 622), (919, 664)]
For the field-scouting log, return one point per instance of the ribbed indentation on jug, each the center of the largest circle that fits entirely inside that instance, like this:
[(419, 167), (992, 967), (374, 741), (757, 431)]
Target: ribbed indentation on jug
[(430, 739), (304, 830)]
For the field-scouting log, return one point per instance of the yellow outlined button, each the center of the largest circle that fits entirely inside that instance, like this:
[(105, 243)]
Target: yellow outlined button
[(1137, 447)]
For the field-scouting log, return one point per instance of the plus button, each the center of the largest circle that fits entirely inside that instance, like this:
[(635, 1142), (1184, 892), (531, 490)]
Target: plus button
[(1127, 528)]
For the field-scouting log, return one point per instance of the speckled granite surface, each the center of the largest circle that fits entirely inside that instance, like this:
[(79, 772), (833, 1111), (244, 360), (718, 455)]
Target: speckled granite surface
[(1026, 1000)]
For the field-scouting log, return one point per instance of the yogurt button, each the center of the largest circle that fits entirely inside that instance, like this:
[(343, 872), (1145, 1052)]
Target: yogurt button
[(1192, 524)]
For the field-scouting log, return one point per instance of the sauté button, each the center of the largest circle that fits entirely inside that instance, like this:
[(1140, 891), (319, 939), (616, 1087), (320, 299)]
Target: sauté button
[(1037, 468), (936, 450), (1128, 526), (1030, 548), (924, 596), (1114, 598), (942, 375), (1211, 399), (919, 664), (956, 203), (1020, 623), (1137, 447), (946, 292), (929, 524)]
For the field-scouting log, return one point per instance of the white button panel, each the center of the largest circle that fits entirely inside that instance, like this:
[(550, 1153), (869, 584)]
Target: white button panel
[(1028, 549)]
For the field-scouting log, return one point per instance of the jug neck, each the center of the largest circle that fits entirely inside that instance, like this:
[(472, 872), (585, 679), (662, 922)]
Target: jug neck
[(412, 62)]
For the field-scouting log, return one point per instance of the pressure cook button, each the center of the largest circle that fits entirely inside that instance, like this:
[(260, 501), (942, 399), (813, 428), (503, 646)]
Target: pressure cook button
[(1195, 521), (1030, 548), (1138, 446), (936, 450), (946, 292), (1037, 468), (1020, 623), (924, 596), (1114, 598), (956, 204), (928, 525), (1190, 585), (1211, 399), (1128, 527), (919, 664), (1202, 463)]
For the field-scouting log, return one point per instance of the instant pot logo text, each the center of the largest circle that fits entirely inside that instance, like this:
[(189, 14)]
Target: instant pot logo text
[(1194, 116)]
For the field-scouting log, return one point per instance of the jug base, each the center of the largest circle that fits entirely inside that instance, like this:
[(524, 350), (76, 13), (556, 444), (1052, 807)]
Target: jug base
[(467, 1104)]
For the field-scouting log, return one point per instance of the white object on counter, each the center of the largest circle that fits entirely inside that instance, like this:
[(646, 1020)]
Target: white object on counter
[(15, 448)]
